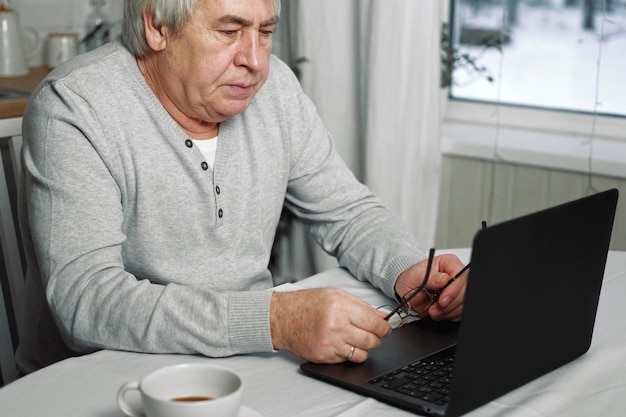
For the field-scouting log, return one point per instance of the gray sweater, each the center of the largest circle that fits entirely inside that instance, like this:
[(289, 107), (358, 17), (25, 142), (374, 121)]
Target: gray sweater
[(134, 243)]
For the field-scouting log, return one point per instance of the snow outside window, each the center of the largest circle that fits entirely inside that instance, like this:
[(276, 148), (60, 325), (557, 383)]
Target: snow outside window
[(551, 57)]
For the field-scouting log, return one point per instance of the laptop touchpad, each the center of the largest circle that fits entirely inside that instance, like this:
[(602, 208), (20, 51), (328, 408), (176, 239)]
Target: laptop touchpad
[(405, 345)]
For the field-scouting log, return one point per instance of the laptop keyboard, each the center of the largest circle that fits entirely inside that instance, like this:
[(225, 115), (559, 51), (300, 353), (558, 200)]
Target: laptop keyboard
[(428, 379)]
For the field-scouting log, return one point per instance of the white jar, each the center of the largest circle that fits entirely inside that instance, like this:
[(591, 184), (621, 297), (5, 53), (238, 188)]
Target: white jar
[(61, 47)]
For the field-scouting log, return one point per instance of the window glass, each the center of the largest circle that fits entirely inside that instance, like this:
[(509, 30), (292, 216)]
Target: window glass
[(552, 54)]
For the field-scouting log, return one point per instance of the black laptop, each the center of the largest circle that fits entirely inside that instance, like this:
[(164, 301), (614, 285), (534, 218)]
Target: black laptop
[(530, 307)]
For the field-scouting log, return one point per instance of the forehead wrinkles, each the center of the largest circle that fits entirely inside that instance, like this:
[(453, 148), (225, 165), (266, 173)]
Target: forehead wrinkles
[(229, 18), (233, 11)]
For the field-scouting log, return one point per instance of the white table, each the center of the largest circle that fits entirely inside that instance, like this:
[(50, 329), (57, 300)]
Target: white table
[(592, 385)]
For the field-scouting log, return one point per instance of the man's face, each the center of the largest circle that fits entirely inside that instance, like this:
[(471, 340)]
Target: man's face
[(215, 65)]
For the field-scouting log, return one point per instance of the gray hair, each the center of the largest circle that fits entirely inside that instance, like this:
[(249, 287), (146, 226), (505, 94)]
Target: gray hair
[(170, 13)]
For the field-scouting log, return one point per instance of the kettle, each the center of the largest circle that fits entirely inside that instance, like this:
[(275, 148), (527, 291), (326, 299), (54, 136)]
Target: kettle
[(12, 55)]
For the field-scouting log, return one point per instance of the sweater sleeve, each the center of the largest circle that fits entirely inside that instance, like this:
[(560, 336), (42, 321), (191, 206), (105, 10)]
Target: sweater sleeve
[(352, 224), (343, 215)]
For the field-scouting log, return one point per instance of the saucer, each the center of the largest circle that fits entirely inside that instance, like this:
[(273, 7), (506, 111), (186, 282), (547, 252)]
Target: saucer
[(248, 412)]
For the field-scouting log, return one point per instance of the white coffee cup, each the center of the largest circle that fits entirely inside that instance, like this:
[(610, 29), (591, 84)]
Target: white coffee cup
[(185, 390), (61, 47)]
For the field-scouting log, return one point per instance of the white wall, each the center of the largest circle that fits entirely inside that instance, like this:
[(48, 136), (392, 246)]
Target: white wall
[(58, 16)]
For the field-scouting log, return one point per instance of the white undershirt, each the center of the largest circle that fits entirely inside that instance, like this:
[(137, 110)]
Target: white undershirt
[(208, 147)]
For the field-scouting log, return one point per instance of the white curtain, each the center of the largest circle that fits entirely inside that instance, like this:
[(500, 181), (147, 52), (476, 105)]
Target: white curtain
[(403, 121), (372, 69)]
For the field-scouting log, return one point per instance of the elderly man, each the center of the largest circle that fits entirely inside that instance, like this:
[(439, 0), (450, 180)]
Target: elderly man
[(155, 171)]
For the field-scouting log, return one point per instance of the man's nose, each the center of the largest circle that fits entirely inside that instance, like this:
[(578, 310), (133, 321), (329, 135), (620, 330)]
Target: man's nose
[(250, 51)]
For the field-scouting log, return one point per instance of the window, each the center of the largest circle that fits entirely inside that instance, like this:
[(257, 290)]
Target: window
[(552, 64)]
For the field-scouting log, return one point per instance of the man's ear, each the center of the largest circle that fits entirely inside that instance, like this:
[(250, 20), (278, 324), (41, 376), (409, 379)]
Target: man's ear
[(156, 37)]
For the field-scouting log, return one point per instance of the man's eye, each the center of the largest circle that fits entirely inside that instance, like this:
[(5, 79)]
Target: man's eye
[(229, 32)]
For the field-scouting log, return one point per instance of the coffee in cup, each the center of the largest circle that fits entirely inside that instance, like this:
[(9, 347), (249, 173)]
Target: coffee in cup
[(185, 390)]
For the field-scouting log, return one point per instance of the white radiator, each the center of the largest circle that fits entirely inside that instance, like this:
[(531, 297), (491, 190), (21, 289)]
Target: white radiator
[(474, 189)]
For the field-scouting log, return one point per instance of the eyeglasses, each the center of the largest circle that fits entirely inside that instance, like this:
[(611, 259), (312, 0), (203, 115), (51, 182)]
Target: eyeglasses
[(409, 310), (404, 312)]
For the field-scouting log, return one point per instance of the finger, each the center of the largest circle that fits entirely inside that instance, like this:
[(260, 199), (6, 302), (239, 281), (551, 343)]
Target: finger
[(359, 356), (365, 329), (447, 266), (449, 300), (453, 294), (438, 280), (453, 311), (453, 315), (449, 263), (356, 346), (452, 266), (351, 353), (371, 321)]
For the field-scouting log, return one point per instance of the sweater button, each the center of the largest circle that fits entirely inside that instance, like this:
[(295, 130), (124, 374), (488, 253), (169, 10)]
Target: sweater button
[(188, 143), (220, 213), (217, 189), (204, 166)]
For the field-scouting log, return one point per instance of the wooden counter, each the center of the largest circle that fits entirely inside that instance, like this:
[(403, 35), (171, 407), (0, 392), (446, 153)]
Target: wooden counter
[(15, 108)]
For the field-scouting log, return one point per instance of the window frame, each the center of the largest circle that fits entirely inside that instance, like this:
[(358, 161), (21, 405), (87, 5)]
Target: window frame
[(536, 119), (533, 119)]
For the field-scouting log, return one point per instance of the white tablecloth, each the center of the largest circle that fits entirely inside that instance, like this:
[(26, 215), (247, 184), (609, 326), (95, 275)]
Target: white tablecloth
[(592, 385)]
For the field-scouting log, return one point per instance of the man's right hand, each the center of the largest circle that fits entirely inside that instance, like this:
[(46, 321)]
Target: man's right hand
[(323, 324)]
